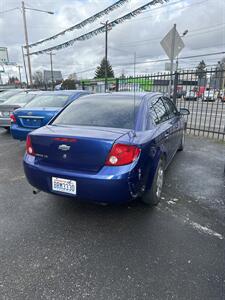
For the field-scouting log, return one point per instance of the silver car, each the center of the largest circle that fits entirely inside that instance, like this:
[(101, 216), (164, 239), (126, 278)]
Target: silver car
[(7, 94), (14, 102)]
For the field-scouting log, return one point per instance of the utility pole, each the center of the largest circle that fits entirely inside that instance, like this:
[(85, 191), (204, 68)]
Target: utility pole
[(19, 67), (106, 54), (52, 73), (24, 64), (26, 42), (26, 35)]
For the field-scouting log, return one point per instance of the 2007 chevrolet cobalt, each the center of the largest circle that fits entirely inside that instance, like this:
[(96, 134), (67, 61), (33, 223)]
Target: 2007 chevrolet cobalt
[(107, 148)]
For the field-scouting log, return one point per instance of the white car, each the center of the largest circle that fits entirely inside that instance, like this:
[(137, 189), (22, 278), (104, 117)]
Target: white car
[(209, 96)]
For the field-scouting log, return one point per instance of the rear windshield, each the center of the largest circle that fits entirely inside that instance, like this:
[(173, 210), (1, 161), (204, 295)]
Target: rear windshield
[(20, 98), (105, 112), (7, 94), (48, 101)]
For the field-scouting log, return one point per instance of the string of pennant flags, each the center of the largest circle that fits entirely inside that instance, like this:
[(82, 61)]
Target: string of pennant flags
[(85, 22), (101, 29)]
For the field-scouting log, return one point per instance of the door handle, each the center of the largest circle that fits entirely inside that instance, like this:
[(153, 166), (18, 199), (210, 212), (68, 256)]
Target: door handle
[(166, 135)]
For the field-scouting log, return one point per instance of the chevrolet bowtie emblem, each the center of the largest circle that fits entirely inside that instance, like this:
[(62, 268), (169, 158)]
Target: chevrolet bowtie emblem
[(64, 147)]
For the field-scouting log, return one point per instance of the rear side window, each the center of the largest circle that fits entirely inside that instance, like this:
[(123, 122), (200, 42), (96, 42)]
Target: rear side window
[(48, 101), (20, 98), (170, 107), (105, 111), (7, 94), (158, 111)]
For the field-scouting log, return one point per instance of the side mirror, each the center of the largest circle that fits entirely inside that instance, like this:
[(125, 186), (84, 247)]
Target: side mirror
[(184, 112)]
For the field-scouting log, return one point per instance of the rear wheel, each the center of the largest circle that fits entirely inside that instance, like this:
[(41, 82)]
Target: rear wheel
[(181, 147), (152, 196)]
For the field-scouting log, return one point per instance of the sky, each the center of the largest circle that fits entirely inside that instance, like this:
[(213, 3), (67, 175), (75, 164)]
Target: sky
[(204, 20)]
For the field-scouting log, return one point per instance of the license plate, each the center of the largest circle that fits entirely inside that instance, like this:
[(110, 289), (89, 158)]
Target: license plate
[(64, 185)]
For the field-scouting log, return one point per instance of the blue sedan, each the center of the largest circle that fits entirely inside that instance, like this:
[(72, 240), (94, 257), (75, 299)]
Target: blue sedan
[(40, 111), (108, 148)]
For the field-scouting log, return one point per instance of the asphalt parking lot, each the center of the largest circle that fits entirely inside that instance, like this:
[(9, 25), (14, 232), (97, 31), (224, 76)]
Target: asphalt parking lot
[(57, 248)]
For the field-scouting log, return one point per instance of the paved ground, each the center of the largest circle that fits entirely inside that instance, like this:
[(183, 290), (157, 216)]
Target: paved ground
[(56, 248)]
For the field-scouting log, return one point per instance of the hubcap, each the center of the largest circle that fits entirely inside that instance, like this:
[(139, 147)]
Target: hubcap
[(159, 182)]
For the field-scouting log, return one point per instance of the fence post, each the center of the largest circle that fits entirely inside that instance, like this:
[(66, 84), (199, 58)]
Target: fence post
[(117, 84), (175, 84)]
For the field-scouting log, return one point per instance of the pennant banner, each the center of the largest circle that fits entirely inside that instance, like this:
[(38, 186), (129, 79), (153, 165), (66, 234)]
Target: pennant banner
[(101, 29), (83, 23)]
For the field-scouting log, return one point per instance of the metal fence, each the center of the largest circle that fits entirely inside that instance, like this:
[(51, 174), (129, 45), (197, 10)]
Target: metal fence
[(202, 92)]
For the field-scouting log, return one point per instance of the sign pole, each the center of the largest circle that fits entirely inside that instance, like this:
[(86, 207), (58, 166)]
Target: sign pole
[(172, 57)]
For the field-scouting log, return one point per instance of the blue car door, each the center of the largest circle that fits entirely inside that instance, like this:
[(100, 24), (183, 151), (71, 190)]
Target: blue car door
[(174, 120), (165, 127)]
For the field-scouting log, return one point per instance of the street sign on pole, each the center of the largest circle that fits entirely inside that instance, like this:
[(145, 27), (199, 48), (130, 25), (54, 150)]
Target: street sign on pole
[(172, 48), (172, 44)]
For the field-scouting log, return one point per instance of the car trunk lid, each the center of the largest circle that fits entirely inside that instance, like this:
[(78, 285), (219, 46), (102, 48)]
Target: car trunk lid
[(75, 148), (34, 118)]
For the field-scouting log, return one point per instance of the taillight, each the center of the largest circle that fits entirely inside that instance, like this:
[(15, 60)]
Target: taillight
[(29, 148), (122, 154), (12, 118)]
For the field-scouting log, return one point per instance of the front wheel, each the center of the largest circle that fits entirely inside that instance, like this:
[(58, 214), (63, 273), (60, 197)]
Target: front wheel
[(152, 196)]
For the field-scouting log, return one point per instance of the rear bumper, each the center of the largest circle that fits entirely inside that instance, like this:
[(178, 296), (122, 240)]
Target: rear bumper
[(102, 187), (5, 122), (19, 133)]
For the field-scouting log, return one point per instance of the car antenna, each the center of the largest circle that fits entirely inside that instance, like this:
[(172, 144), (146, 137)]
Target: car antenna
[(135, 57)]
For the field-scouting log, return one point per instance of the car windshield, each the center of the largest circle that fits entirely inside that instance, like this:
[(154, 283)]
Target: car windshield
[(48, 101), (110, 111), (5, 95), (20, 98)]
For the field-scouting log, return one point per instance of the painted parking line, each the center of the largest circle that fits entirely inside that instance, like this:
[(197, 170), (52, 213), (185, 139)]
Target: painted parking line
[(194, 225)]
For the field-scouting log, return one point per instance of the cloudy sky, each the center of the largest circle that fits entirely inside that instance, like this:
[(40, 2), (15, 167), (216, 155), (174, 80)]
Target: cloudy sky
[(204, 19)]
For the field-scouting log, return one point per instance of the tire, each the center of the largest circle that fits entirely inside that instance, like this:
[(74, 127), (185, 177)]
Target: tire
[(152, 196), (181, 147)]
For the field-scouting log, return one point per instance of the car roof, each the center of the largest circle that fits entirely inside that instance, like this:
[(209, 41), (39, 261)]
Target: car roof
[(139, 95), (64, 92)]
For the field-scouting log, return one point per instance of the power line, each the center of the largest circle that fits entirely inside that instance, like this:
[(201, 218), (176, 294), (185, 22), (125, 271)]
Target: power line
[(180, 8), (101, 29), (155, 61), (8, 10), (189, 35), (82, 24)]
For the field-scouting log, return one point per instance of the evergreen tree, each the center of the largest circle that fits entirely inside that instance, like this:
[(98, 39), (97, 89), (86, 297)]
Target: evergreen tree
[(100, 71), (201, 73)]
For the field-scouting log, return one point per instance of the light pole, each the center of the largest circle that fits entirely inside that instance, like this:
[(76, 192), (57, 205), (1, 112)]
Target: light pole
[(52, 73), (26, 35)]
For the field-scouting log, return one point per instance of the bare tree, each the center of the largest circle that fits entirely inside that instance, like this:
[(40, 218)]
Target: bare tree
[(38, 78)]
